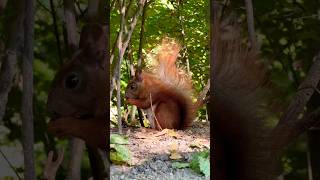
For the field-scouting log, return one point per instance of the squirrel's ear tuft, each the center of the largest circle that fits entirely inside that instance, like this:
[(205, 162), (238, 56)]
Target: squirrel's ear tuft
[(138, 74), (93, 41), (93, 35)]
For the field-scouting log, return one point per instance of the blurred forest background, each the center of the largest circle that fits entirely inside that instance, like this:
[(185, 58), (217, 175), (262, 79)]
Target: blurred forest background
[(288, 32)]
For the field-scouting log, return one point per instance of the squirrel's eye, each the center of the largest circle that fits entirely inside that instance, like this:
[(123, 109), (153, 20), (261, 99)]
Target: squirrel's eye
[(72, 81), (132, 86)]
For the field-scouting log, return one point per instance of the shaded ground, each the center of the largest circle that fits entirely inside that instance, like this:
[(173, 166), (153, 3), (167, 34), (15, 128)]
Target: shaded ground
[(155, 151)]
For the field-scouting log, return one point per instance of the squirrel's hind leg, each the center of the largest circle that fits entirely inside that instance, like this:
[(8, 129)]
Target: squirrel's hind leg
[(167, 115)]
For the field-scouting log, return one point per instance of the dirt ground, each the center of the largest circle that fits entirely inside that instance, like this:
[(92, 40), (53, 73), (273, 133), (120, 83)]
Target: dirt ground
[(154, 152)]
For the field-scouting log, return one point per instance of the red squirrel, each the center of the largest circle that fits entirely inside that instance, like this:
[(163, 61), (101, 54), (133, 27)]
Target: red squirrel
[(242, 98), (165, 90), (76, 98)]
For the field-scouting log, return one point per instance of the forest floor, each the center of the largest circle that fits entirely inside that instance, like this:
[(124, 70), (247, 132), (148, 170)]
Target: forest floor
[(154, 152)]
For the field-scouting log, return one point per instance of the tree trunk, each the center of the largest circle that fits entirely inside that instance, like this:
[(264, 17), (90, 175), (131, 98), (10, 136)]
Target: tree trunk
[(27, 96), (314, 155), (8, 66), (76, 154)]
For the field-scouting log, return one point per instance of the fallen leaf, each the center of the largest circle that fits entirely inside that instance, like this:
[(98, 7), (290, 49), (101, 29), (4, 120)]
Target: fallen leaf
[(175, 155), (172, 133), (173, 147)]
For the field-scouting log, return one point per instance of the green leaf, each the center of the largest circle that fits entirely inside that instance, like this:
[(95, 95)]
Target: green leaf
[(204, 166), (200, 163), (180, 165), (120, 154), (118, 139)]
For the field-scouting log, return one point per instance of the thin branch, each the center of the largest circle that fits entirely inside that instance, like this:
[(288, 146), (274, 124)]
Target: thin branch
[(203, 94), (281, 136), (117, 38), (124, 39), (82, 12), (10, 164), (76, 145), (56, 31), (76, 152), (185, 48), (71, 25), (250, 21), (141, 40), (112, 4), (7, 72), (43, 6), (118, 67), (125, 42), (133, 24), (312, 119)]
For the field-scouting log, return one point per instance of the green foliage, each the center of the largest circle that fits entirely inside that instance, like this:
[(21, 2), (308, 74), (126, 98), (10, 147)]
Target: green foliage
[(180, 165), (118, 139), (200, 162), (119, 153)]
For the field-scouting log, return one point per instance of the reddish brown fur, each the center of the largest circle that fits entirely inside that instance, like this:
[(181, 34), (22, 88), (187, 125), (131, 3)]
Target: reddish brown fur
[(81, 112), (167, 88), (92, 131)]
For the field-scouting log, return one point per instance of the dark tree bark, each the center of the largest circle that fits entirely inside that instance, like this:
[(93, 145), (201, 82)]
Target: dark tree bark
[(250, 21), (27, 95), (314, 155), (313, 135), (106, 10), (289, 126), (12, 50)]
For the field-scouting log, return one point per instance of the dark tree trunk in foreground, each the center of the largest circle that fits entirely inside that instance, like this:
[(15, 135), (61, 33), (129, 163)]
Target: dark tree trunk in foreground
[(27, 96), (243, 148), (314, 155)]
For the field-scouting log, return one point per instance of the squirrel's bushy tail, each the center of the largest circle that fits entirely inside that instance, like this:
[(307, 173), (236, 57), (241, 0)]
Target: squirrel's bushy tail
[(239, 78), (175, 78), (240, 96), (166, 68)]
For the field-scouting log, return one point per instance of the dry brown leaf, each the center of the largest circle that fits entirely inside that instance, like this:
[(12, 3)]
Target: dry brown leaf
[(173, 147), (172, 133), (196, 144), (175, 155)]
